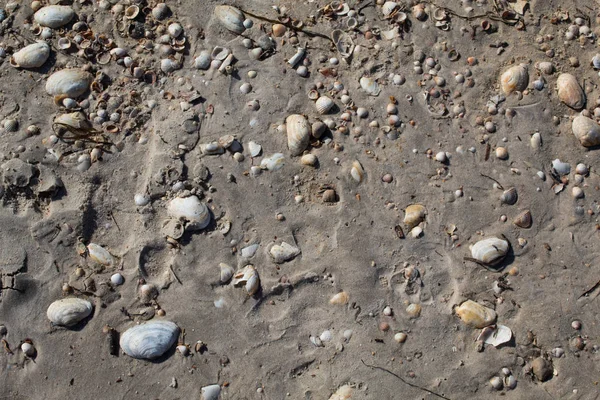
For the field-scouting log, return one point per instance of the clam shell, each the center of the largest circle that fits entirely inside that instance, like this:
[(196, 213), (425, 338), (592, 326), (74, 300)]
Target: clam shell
[(284, 252), (340, 298), (414, 215), (524, 220), (490, 251), (298, 133), (318, 128), (370, 86), (560, 167), (211, 392), (357, 172), (309, 160), (475, 315), (32, 56), (247, 277), (226, 273), (514, 78), (586, 130), (495, 336), (69, 83), (536, 141), (54, 16), (231, 18), (509, 196), (149, 340), (69, 311), (343, 393), (569, 91), (324, 104), (100, 255), (190, 209), (388, 8), (273, 162), (76, 120)]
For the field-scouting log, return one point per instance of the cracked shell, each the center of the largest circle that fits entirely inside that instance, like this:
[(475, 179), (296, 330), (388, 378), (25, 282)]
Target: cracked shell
[(71, 83), (490, 251), (54, 16), (149, 340), (231, 18), (569, 91), (298, 133), (586, 130), (414, 215), (515, 78), (69, 311), (475, 315), (247, 277), (32, 56), (190, 209)]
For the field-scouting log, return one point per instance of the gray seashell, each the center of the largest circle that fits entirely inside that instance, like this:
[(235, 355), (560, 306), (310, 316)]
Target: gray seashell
[(538, 84), (298, 133), (524, 220), (32, 56), (54, 16), (168, 65), (190, 209), (586, 130), (370, 86), (388, 8), (69, 311), (211, 392), (510, 382), (11, 125), (69, 83), (318, 129), (561, 168), (149, 340), (490, 251), (273, 162), (160, 11), (509, 196), (249, 251), (284, 252), (569, 91), (231, 18), (515, 78), (226, 272)]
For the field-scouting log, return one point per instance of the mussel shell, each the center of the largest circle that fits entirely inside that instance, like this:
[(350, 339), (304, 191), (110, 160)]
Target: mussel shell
[(586, 130), (54, 16), (69, 311), (231, 18), (476, 315), (69, 82), (569, 91), (509, 196), (150, 340), (32, 56), (298, 133), (516, 78), (190, 209), (490, 251)]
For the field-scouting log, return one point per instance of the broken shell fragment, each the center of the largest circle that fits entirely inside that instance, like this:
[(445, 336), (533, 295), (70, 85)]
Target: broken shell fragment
[(32, 56), (357, 172), (515, 78), (273, 162), (69, 311), (298, 133), (370, 86), (475, 315), (495, 336), (340, 298), (69, 83), (231, 18), (524, 220), (569, 91), (150, 340), (586, 130), (284, 252), (247, 277), (100, 255), (414, 215), (192, 210), (54, 16), (490, 251)]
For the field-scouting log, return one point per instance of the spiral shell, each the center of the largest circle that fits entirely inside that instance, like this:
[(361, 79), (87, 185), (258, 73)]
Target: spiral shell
[(514, 78), (298, 133), (586, 130), (414, 215), (323, 104), (357, 172), (247, 277), (190, 209), (509, 196), (149, 340), (100, 255), (69, 83), (569, 91), (231, 18), (32, 56), (524, 220), (54, 16), (476, 315), (490, 251), (69, 311)]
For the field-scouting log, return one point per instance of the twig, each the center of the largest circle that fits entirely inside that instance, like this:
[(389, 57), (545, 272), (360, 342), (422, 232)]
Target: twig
[(175, 275), (406, 382), (590, 291), (489, 177)]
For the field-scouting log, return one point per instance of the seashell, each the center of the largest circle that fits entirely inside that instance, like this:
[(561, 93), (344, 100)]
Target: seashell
[(496, 383), (326, 336), (278, 30), (370, 86), (330, 196), (168, 65), (414, 215), (495, 336), (536, 141), (561, 168), (509, 196), (388, 8), (586, 130), (298, 133), (357, 172), (54, 16), (32, 56), (284, 252), (309, 160), (569, 91), (28, 349), (514, 78), (523, 220), (149, 340), (100, 255), (316, 341), (545, 67), (419, 13), (160, 11), (510, 382), (131, 12), (475, 315), (11, 125), (249, 251), (226, 273), (64, 43), (324, 104), (343, 42), (490, 251), (212, 148), (211, 392), (247, 277), (245, 88), (340, 298), (69, 311), (343, 393), (273, 162), (175, 30), (254, 149), (295, 59), (69, 83), (414, 310), (231, 18), (76, 120), (542, 369), (117, 279), (190, 209), (596, 61)]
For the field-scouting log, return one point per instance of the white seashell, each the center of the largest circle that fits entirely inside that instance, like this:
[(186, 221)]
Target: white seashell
[(211, 392), (284, 252), (231, 18), (400, 337), (475, 315), (582, 169), (490, 251), (298, 133), (249, 251), (362, 112), (496, 383), (324, 104), (596, 61), (343, 393), (509, 196), (175, 30), (254, 149), (245, 88), (32, 56), (569, 91), (28, 349), (316, 341), (168, 65), (370, 86), (273, 162), (495, 336), (536, 141), (150, 340), (561, 168), (357, 172), (226, 273), (416, 232), (54, 16), (388, 8), (190, 209), (141, 199), (76, 120), (309, 160), (340, 298), (69, 311), (247, 277), (414, 215), (117, 279), (69, 83), (326, 336), (161, 11), (510, 382), (203, 60), (515, 78), (586, 130), (100, 255)]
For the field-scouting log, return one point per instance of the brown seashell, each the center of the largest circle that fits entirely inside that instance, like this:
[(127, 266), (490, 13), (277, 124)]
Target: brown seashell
[(515, 78), (330, 196), (279, 30), (340, 298), (569, 91), (414, 215), (524, 220), (475, 315), (586, 130)]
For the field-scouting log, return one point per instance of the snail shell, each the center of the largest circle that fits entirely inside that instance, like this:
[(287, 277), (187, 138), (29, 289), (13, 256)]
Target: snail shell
[(323, 104), (231, 18), (475, 315), (514, 78), (226, 272), (284, 252), (357, 172), (54, 16), (100, 255), (414, 215), (190, 209), (524, 220), (149, 340), (569, 91), (490, 251), (68, 83), (69, 311), (298, 133), (586, 130), (340, 298), (32, 56), (247, 277), (509, 196)]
